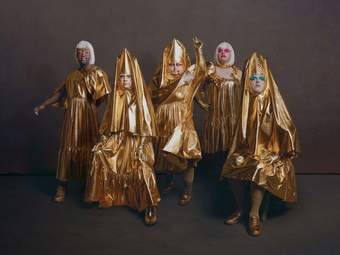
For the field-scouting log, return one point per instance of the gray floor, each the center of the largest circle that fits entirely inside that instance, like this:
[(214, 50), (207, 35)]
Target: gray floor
[(32, 224)]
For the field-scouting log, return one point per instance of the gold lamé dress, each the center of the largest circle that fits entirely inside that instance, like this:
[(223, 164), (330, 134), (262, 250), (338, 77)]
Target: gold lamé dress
[(82, 90), (223, 96), (122, 167), (265, 140), (178, 144)]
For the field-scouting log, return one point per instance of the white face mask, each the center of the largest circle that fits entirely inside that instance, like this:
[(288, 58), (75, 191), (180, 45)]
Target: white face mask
[(257, 83), (125, 80), (176, 68), (223, 55)]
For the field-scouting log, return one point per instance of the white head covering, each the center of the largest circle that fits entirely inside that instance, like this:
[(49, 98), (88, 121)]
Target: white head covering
[(232, 53), (86, 45)]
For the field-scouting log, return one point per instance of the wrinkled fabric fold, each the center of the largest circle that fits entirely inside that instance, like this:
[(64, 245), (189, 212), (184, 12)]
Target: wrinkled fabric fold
[(265, 140), (80, 128), (223, 97), (120, 176), (178, 145), (122, 166)]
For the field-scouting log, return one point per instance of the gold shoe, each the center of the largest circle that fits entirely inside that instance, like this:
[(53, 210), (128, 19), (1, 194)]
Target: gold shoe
[(150, 217), (254, 226), (233, 218), (185, 198), (59, 196)]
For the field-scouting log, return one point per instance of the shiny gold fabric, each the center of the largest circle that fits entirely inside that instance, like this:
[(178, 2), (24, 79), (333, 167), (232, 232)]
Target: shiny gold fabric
[(82, 89), (122, 166), (178, 143), (265, 139), (223, 96)]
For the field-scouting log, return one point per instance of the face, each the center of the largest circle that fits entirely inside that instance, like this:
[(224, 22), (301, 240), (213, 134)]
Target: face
[(83, 56), (176, 68), (223, 55), (257, 83), (125, 80)]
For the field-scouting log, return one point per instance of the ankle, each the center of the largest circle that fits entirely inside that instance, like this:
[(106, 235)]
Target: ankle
[(254, 214)]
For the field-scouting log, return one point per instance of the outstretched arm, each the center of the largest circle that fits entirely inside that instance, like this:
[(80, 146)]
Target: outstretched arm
[(57, 96)]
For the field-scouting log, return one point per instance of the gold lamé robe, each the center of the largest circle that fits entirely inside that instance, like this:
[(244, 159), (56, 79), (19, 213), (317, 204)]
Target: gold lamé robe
[(265, 139), (223, 97), (122, 167), (178, 144), (82, 90)]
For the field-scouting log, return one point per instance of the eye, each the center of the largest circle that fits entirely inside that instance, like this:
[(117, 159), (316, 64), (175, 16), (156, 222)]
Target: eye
[(262, 78), (219, 50), (252, 78)]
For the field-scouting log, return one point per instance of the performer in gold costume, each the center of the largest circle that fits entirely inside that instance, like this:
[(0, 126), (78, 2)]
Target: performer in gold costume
[(220, 97), (174, 87), (122, 166), (263, 146), (83, 90)]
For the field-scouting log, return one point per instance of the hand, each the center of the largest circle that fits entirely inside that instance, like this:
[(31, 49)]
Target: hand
[(197, 43), (206, 107), (273, 158), (38, 108)]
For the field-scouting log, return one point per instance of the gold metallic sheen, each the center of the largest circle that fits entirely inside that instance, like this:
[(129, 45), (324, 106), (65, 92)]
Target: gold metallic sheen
[(266, 139), (223, 97), (80, 130), (122, 166), (178, 144)]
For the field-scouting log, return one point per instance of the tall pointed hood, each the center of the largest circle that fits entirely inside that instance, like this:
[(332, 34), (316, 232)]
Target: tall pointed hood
[(174, 52), (117, 116)]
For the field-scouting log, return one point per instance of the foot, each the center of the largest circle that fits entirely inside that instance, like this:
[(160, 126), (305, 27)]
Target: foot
[(185, 198), (233, 218), (59, 196), (254, 226), (150, 217)]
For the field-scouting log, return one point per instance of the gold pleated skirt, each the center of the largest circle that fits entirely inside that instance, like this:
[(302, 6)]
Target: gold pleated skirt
[(122, 173), (276, 177), (217, 134), (79, 135), (220, 121), (178, 145)]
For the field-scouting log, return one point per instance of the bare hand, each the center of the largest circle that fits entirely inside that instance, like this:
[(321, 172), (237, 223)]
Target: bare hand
[(206, 107), (37, 109), (197, 43)]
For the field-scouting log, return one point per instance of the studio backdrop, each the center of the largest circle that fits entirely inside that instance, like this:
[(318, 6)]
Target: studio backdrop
[(300, 40)]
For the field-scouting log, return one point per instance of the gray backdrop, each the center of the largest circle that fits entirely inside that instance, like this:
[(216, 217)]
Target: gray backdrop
[(299, 39)]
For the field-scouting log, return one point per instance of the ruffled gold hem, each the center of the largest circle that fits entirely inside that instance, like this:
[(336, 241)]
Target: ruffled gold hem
[(277, 177)]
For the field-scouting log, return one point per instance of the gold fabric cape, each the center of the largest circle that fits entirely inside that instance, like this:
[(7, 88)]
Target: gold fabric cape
[(122, 166), (265, 139), (82, 89)]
